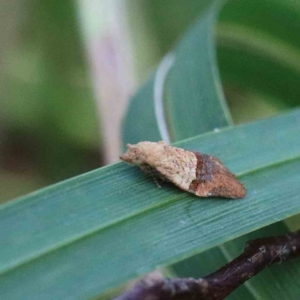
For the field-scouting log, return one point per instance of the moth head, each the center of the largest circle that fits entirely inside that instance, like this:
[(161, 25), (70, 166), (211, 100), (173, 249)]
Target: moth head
[(144, 153)]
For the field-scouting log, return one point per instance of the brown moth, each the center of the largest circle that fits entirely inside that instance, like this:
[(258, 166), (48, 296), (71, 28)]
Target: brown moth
[(197, 173)]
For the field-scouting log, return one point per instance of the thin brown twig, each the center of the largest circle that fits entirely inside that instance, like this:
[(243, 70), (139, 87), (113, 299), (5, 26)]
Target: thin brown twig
[(257, 255)]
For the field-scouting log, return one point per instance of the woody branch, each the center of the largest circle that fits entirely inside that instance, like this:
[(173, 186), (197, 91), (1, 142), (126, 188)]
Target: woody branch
[(257, 255)]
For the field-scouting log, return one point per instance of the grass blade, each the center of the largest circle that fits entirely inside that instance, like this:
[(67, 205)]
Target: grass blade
[(67, 238)]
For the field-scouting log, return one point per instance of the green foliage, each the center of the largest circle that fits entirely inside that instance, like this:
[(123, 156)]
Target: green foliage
[(93, 233), (45, 94)]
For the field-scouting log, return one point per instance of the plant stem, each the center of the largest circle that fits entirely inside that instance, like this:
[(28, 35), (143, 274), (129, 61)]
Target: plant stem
[(257, 255)]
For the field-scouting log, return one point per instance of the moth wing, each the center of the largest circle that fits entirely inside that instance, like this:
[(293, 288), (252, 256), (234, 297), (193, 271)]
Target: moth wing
[(179, 179), (214, 179)]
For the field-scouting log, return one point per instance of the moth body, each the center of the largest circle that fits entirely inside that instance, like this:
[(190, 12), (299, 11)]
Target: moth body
[(200, 174)]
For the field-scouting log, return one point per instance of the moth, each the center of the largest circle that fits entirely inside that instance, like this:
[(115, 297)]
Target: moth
[(197, 173)]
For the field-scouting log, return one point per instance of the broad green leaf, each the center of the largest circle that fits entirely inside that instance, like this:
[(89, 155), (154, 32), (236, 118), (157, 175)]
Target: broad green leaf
[(192, 88), (195, 103), (89, 234), (140, 117)]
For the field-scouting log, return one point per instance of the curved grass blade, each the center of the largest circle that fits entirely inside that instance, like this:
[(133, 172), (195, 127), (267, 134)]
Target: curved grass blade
[(192, 91)]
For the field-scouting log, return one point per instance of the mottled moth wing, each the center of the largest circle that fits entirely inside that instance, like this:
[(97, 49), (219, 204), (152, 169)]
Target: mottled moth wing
[(214, 179), (152, 172), (197, 173)]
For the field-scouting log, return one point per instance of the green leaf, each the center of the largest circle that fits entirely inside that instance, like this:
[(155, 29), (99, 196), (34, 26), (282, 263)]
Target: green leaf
[(141, 108), (192, 88), (195, 103), (90, 234)]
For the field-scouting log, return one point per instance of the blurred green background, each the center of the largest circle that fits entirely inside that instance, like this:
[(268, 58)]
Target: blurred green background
[(49, 129), (49, 121)]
